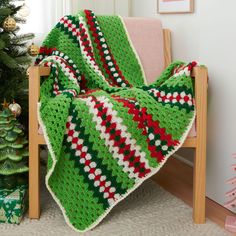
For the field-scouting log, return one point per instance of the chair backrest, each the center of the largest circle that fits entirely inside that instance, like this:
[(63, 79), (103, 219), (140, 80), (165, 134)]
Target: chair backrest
[(152, 44)]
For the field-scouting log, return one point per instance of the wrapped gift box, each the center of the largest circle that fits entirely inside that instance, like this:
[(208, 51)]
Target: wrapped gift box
[(13, 204)]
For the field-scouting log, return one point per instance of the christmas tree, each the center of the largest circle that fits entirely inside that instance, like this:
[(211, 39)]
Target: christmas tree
[(14, 48), (13, 150)]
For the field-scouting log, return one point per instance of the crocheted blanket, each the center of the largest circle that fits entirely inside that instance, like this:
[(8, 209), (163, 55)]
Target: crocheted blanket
[(106, 130)]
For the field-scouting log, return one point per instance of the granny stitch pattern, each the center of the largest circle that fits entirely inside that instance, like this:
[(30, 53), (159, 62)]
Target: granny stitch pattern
[(106, 130)]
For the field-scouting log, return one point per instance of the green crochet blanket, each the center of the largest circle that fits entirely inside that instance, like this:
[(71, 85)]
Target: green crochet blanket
[(106, 130)]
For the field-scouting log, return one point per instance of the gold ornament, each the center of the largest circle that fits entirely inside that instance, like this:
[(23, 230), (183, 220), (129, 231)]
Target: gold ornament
[(33, 50), (9, 24), (15, 108)]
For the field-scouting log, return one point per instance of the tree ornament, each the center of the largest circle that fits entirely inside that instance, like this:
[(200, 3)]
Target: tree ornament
[(1, 30), (24, 11), (9, 24), (13, 150), (15, 108), (33, 50)]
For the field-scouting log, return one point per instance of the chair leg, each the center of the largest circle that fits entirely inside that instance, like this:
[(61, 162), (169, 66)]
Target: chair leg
[(199, 178), (199, 186), (34, 181)]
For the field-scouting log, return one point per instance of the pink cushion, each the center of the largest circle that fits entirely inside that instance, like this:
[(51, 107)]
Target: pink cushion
[(147, 38)]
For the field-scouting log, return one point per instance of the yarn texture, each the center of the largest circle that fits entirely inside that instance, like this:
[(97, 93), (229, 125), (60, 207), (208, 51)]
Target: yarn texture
[(106, 130)]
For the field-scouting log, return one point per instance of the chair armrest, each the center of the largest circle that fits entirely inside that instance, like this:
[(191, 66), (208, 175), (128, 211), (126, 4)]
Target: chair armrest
[(200, 71), (39, 70)]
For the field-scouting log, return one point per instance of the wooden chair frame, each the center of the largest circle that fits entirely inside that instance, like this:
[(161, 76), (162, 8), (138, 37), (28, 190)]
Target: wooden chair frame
[(198, 143)]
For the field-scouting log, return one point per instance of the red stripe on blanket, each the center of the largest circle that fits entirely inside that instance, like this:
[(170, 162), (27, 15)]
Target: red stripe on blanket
[(109, 122), (90, 167), (92, 22), (145, 121)]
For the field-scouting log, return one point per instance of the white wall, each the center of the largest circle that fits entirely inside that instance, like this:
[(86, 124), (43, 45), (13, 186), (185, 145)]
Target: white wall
[(209, 36)]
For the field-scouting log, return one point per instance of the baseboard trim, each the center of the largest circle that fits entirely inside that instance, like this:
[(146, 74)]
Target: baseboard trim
[(177, 178)]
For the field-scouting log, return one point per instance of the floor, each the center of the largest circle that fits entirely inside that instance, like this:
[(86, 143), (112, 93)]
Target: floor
[(177, 178), (149, 211)]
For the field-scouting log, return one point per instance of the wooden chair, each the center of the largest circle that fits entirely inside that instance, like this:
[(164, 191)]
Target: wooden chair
[(200, 76)]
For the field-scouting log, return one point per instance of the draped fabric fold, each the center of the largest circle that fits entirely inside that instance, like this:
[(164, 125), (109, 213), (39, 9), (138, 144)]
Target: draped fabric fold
[(106, 131)]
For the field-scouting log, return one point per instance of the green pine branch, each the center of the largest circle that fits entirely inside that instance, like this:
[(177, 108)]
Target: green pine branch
[(20, 20), (23, 60), (22, 38), (19, 51), (6, 38), (19, 45), (6, 2), (17, 29), (5, 12), (14, 58), (8, 60), (15, 9), (2, 44)]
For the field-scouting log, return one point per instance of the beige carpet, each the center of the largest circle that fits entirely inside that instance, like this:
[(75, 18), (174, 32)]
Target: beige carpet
[(149, 211)]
